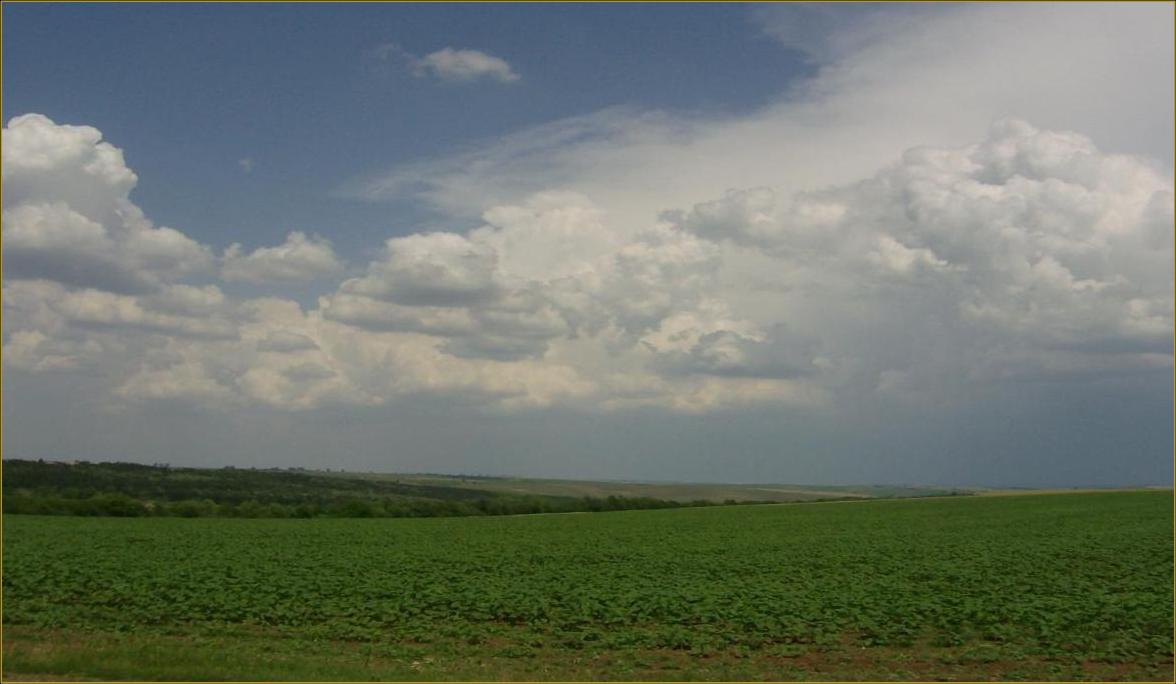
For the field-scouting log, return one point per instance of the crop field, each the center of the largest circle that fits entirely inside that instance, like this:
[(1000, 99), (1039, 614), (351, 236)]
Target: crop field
[(682, 492), (1062, 586)]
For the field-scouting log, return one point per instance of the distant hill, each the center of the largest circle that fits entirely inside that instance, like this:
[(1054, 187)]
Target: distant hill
[(83, 488), (131, 489)]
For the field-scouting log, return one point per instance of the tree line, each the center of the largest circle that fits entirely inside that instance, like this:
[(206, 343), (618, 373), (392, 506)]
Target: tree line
[(135, 490)]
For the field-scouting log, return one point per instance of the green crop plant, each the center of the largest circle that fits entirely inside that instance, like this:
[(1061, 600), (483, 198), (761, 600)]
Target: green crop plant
[(1057, 578)]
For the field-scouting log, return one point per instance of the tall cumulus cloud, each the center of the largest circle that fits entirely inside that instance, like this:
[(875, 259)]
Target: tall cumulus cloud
[(1029, 254)]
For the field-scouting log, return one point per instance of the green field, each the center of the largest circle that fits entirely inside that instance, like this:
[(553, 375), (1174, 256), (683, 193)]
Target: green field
[(1063, 586)]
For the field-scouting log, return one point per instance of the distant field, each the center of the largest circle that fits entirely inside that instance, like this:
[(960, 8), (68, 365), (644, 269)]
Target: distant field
[(1068, 586), (681, 492)]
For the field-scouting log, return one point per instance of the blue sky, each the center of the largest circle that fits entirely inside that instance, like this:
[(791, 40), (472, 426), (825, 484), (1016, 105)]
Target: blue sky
[(188, 91), (802, 243)]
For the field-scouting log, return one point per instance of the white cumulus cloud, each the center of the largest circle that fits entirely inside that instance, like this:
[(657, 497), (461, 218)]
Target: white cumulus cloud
[(892, 231), (68, 217), (298, 258), (461, 65), (1028, 254)]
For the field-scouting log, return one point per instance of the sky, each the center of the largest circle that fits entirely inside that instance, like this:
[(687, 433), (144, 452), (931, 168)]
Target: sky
[(850, 243)]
